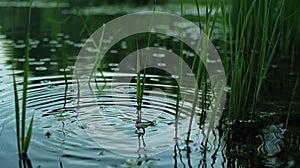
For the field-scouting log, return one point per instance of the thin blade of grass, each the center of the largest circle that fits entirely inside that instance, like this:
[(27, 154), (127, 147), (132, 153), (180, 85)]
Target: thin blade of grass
[(17, 112), (148, 45), (180, 69), (29, 135), (138, 78), (25, 79)]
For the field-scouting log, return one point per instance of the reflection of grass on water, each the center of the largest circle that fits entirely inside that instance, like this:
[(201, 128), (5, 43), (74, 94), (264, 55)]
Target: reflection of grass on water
[(23, 137)]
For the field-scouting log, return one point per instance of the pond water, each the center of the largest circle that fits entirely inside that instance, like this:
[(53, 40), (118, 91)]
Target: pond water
[(60, 139)]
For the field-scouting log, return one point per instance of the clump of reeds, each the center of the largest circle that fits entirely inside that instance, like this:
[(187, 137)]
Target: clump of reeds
[(252, 41)]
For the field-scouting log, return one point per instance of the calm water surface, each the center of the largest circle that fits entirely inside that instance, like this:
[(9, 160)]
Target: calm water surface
[(59, 138)]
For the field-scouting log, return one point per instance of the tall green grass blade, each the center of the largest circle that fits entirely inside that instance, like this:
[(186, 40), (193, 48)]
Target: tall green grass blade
[(29, 135), (138, 78), (17, 113), (215, 16), (198, 14), (178, 95), (25, 79), (225, 46), (148, 45)]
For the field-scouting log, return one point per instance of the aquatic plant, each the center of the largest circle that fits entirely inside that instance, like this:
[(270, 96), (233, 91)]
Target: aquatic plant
[(141, 84), (288, 27), (252, 40), (23, 137), (98, 66)]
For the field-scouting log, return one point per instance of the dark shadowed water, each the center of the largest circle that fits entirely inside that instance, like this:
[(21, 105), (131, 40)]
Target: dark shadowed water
[(59, 139)]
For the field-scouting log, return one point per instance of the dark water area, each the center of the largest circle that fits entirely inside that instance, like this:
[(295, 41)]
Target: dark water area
[(58, 32)]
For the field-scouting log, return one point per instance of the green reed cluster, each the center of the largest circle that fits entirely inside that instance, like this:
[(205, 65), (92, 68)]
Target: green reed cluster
[(251, 38)]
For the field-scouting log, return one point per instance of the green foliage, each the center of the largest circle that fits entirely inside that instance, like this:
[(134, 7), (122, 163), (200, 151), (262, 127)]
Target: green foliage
[(253, 38)]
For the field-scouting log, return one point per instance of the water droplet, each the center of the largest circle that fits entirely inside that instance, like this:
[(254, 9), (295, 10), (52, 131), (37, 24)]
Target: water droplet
[(71, 67), (78, 45), (34, 46), (114, 51), (37, 63), (174, 76), (19, 45), (154, 79), (34, 42), (211, 61), (66, 70), (69, 42), (115, 69), (192, 42), (21, 59), (92, 49), (58, 46), (161, 64), (113, 64), (53, 42), (227, 89), (123, 45), (45, 39), (45, 81), (106, 41), (45, 59), (41, 68), (159, 55), (59, 34), (21, 41), (53, 63)]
